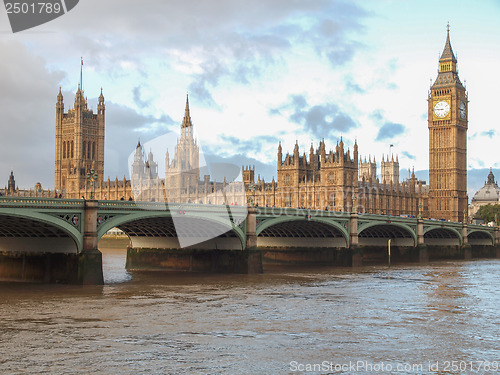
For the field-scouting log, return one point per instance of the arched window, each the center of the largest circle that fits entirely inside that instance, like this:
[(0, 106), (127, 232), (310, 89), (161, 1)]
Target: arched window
[(72, 149), (88, 150), (93, 150), (64, 150), (84, 150)]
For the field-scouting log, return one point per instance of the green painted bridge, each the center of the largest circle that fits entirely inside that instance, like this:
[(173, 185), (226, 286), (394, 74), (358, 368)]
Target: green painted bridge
[(66, 226)]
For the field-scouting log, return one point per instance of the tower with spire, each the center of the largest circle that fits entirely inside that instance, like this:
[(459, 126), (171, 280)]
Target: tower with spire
[(447, 123), (11, 185), (182, 173), (79, 144)]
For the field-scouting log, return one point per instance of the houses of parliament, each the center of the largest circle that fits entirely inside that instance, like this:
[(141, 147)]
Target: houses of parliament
[(337, 179)]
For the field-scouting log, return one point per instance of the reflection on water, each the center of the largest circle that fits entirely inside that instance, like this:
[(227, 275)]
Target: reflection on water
[(163, 323), (113, 260)]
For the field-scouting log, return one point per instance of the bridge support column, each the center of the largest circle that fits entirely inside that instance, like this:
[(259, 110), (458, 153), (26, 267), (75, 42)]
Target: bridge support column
[(251, 235), (90, 259), (465, 240), (357, 253), (467, 249), (420, 232), (423, 254)]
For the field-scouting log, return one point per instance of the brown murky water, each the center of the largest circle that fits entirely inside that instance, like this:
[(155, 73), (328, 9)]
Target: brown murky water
[(405, 320)]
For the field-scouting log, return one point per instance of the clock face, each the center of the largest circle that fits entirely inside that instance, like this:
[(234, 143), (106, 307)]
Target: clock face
[(463, 110), (441, 109)]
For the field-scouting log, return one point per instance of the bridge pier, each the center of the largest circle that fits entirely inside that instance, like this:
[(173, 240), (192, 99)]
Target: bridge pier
[(423, 253), (90, 259), (203, 257), (467, 249), (356, 251)]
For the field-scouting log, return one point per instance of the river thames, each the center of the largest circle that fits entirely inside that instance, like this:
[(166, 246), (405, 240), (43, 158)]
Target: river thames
[(406, 319)]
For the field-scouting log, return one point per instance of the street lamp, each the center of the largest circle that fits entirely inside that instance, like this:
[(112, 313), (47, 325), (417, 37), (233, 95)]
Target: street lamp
[(354, 199), (252, 189), (92, 177), (420, 211)]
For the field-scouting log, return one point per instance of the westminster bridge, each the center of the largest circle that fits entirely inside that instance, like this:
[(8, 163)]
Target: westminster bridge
[(56, 240)]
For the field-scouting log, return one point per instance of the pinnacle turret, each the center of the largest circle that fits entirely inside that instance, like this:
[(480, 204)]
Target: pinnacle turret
[(187, 118), (448, 54)]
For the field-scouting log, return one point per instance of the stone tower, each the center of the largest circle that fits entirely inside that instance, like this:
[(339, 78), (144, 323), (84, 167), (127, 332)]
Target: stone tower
[(138, 166), (389, 170), (447, 122), (367, 169), (248, 174), (79, 143), (11, 185), (183, 172)]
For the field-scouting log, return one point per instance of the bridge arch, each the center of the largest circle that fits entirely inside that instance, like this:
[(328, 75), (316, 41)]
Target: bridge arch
[(299, 231), (480, 237), (158, 230), (378, 233), (39, 232), (446, 236)]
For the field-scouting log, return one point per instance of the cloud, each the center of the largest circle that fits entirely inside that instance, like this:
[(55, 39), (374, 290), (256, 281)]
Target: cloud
[(253, 146), (229, 39), (388, 130), (353, 87), (28, 91), (408, 155), (136, 92), (489, 133), (321, 120), (331, 32)]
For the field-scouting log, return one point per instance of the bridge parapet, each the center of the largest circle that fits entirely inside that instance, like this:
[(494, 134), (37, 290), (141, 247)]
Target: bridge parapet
[(30, 202)]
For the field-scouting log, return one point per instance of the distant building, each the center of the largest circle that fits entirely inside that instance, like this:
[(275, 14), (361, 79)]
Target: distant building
[(12, 190), (488, 194), (11, 185)]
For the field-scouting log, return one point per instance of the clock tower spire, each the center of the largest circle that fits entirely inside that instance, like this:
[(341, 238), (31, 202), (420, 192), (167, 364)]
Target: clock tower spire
[(447, 123)]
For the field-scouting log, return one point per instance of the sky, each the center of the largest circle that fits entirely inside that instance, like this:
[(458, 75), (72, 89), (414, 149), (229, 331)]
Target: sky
[(257, 73)]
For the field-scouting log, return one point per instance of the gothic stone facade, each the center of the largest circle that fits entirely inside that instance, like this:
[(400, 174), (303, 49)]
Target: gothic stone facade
[(79, 143), (334, 181)]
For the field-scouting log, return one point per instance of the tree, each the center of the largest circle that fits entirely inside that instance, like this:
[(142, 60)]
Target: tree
[(489, 212)]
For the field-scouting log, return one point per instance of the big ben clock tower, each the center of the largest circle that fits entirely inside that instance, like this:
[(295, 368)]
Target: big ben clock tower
[(447, 121)]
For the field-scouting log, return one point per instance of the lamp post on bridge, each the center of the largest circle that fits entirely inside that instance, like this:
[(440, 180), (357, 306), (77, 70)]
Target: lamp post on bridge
[(251, 189), (465, 221), (420, 230), (90, 261), (354, 199), (92, 177)]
